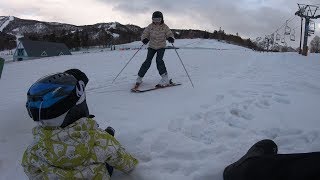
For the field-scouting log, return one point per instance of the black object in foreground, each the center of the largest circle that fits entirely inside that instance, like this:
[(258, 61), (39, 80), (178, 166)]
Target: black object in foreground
[(262, 162), (111, 131)]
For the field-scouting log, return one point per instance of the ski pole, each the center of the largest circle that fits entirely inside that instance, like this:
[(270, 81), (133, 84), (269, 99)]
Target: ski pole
[(183, 65), (127, 63)]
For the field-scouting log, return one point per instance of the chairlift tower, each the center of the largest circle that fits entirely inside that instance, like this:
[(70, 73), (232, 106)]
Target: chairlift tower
[(300, 47), (308, 12)]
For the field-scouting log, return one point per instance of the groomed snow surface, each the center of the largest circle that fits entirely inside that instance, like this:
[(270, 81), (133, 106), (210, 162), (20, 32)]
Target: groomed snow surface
[(240, 97), (193, 44)]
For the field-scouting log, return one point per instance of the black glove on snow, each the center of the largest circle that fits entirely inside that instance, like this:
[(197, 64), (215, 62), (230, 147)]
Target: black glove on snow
[(170, 39), (145, 41)]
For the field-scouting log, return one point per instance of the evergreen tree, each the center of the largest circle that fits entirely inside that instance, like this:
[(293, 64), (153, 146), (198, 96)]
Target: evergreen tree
[(315, 45)]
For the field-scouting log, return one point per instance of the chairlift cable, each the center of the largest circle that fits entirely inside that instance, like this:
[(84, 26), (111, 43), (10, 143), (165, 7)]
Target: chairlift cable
[(287, 21)]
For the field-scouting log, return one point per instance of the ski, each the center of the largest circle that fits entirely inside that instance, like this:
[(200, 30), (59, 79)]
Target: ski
[(136, 90)]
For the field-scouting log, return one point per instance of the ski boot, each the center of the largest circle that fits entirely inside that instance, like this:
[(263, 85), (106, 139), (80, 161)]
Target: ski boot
[(138, 83), (165, 81)]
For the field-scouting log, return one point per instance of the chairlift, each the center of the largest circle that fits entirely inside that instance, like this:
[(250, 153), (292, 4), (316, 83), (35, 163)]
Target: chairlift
[(272, 36), (287, 30), (283, 40), (312, 27), (293, 36), (278, 37)]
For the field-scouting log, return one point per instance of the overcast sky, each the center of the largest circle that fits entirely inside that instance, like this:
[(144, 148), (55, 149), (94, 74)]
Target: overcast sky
[(250, 18)]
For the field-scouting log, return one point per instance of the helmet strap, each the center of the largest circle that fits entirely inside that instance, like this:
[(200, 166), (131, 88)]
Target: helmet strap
[(81, 98), (55, 122), (29, 111), (41, 122)]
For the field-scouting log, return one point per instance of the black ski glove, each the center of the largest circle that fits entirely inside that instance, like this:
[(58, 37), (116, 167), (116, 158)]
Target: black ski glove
[(170, 39), (145, 41), (110, 130)]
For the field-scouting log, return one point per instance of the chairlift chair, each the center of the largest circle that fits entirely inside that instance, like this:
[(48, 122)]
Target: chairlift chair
[(272, 36), (278, 37), (293, 36), (287, 30), (283, 40), (266, 39), (312, 27)]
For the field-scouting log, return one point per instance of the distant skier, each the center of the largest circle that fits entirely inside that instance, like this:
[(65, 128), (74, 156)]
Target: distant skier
[(157, 33), (68, 143)]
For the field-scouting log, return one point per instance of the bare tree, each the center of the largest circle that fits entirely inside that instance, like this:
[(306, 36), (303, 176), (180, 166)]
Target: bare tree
[(315, 45)]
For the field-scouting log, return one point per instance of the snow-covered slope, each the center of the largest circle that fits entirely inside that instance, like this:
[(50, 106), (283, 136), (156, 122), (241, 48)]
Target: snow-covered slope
[(7, 55), (240, 97), (211, 44), (207, 44), (4, 21)]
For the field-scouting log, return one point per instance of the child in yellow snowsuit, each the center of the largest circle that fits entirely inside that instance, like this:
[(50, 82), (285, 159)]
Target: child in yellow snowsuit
[(68, 143)]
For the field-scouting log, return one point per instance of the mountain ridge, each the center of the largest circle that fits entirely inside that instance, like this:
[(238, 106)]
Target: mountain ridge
[(99, 34)]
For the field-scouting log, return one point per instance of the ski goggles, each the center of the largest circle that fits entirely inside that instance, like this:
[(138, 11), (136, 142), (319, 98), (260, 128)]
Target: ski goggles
[(156, 20)]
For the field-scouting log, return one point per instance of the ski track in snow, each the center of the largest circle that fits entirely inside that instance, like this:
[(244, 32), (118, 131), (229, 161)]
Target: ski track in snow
[(202, 127), (240, 97)]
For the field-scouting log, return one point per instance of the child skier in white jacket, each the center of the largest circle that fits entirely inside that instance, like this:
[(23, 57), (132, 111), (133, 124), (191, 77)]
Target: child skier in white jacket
[(156, 35)]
